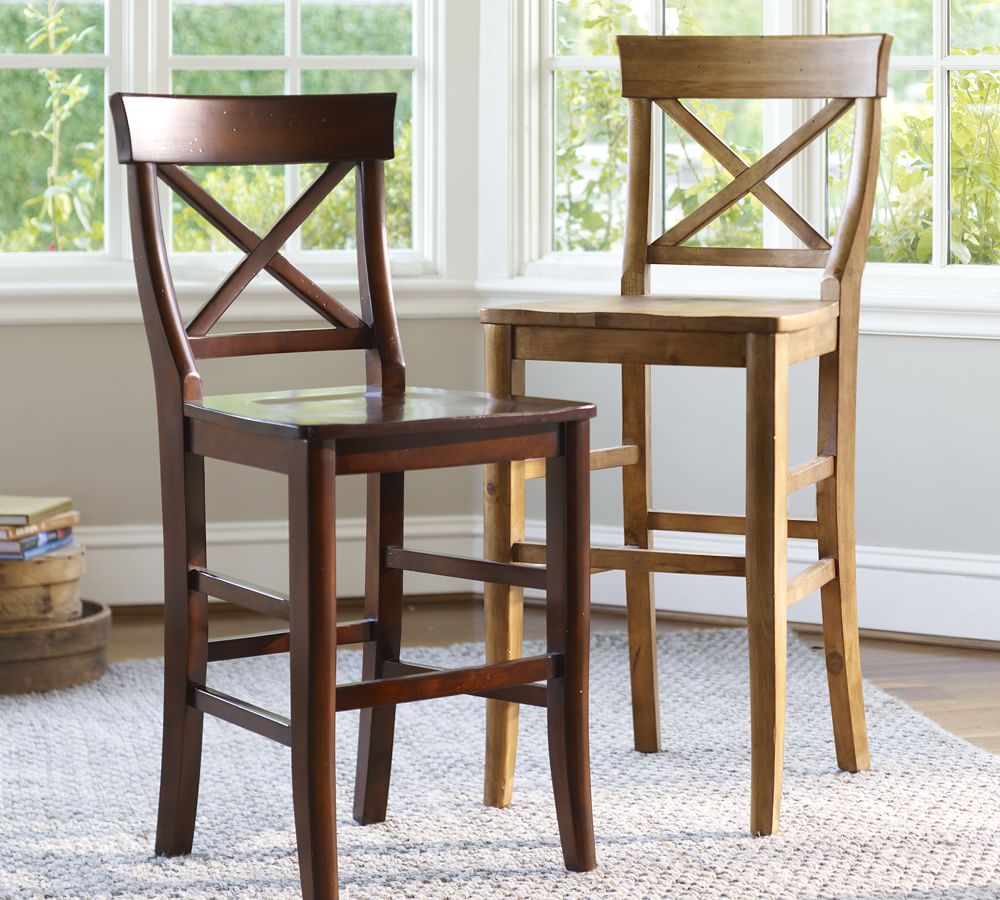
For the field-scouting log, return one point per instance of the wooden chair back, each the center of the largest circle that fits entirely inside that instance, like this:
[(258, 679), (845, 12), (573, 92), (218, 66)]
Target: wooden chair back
[(847, 71), (158, 135)]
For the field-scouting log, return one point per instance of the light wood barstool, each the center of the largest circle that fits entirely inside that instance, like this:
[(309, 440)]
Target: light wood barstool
[(765, 337)]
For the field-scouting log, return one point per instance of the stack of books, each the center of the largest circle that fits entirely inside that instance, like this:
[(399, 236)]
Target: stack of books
[(33, 526)]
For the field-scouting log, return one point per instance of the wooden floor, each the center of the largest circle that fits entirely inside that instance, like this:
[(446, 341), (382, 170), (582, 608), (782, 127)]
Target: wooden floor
[(958, 688)]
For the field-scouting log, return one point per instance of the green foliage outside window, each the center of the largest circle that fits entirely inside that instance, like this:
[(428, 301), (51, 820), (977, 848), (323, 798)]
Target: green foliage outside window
[(591, 128), (975, 166), (257, 196), (332, 225), (50, 133), (901, 224), (692, 175), (591, 138), (59, 206), (234, 28), (590, 151), (52, 195)]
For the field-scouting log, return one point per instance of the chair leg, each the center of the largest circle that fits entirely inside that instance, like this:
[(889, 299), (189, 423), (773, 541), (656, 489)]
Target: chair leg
[(567, 503), (185, 648), (503, 525), (767, 574), (383, 602), (835, 516), (313, 658), (641, 608)]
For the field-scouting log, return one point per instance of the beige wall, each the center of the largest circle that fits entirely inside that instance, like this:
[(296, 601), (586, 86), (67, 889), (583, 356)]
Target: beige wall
[(77, 414), (81, 419), (928, 439), (83, 423), (928, 485)]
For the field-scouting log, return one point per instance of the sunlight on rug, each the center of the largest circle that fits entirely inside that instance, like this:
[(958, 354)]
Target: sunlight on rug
[(79, 771)]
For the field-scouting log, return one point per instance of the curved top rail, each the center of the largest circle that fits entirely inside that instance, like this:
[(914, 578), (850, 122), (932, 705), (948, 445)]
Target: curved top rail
[(772, 67), (203, 130)]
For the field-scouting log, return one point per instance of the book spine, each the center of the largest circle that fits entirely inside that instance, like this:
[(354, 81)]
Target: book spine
[(13, 520), (38, 509), (34, 540), (55, 523), (38, 551)]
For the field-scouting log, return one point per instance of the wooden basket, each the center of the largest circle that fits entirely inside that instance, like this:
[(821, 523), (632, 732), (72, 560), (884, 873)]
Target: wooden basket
[(49, 638), (42, 656), (44, 589)]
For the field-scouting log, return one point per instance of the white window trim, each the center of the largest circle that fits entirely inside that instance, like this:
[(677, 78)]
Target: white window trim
[(917, 300), (411, 261), (493, 186), (100, 287)]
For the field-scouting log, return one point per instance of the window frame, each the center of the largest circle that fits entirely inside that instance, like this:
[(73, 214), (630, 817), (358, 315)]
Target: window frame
[(113, 66), (936, 298), (137, 58), (483, 165)]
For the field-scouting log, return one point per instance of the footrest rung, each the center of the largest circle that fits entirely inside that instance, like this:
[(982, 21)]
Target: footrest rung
[(242, 593), (465, 567), (605, 458), (705, 523), (239, 712), (605, 559), (449, 682), (356, 632), (809, 473), (638, 559), (269, 642), (811, 579), (526, 694), (528, 552), (263, 644)]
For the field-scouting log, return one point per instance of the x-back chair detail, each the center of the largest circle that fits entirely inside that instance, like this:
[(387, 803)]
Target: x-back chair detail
[(380, 429), (765, 337)]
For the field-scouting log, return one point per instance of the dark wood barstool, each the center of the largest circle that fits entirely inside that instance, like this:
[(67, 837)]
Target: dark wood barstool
[(380, 429)]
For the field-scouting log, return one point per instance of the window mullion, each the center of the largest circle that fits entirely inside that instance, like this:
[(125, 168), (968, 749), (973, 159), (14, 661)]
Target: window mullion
[(159, 38), (158, 23), (293, 29), (587, 63), (293, 85), (656, 140), (146, 33), (538, 160), (425, 224), (230, 62), (940, 224), (810, 192), (115, 30), (246, 61), (352, 63), (57, 60), (781, 119)]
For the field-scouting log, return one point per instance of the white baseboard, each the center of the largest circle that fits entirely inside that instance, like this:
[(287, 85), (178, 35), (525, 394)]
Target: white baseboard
[(125, 562), (931, 592), (917, 591)]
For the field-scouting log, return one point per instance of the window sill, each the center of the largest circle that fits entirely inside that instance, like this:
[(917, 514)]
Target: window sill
[(897, 300), (98, 292)]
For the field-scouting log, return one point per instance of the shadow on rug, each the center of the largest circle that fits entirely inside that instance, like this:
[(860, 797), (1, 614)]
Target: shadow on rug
[(79, 771)]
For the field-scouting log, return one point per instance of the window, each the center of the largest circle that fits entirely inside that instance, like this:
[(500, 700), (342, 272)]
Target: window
[(940, 164), (53, 72), (589, 116), (60, 58)]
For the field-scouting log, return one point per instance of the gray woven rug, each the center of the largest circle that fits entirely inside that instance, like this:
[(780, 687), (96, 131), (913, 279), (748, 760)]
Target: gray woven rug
[(79, 768)]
